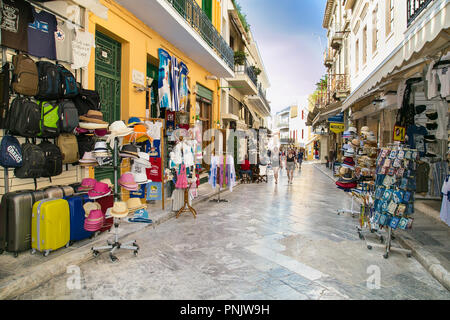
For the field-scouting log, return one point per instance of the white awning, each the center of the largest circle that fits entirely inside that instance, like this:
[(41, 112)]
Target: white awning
[(428, 35)]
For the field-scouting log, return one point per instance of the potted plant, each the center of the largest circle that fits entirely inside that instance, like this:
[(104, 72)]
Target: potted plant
[(257, 71), (239, 60)]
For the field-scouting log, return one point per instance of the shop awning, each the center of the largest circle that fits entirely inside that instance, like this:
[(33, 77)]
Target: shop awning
[(435, 25), (328, 112), (311, 116)]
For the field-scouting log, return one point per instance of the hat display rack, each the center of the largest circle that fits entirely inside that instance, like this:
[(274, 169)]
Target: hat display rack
[(394, 194)]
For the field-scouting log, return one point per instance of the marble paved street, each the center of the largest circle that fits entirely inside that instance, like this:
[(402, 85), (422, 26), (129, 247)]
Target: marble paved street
[(268, 242)]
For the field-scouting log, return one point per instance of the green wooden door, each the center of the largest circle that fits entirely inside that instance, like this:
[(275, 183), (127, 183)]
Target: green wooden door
[(107, 83), (207, 8)]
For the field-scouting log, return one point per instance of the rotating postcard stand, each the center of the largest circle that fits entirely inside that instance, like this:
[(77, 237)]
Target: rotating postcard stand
[(115, 245)]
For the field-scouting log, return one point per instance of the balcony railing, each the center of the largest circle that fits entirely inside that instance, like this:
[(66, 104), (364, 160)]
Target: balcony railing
[(328, 57), (340, 84), (262, 94), (337, 36), (199, 21), (246, 69), (414, 8)]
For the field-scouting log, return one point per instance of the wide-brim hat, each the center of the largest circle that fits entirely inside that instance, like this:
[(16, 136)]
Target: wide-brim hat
[(86, 184), (352, 130), (140, 133), (88, 159), (92, 125), (127, 181), (365, 130), (90, 206), (356, 143), (93, 116), (100, 190), (134, 204), (120, 129), (129, 151), (143, 160)]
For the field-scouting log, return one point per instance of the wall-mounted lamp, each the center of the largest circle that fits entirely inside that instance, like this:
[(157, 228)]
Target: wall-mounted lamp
[(140, 88)]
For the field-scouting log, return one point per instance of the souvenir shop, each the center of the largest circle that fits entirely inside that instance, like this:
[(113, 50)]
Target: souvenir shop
[(52, 126), (388, 177)]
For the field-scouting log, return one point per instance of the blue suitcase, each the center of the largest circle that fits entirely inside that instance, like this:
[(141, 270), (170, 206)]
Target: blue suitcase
[(77, 217)]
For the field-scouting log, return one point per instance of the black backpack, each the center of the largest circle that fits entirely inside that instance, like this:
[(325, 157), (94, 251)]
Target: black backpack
[(68, 116), (49, 81), (87, 100), (33, 162), (53, 159), (4, 95), (69, 88), (85, 144), (24, 118)]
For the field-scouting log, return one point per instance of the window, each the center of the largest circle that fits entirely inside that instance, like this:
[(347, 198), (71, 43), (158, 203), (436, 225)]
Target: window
[(357, 56), (303, 133), (389, 17), (303, 115), (375, 30), (364, 57)]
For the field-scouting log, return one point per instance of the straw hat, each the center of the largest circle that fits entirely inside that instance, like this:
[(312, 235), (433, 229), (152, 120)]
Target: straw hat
[(119, 210), (88, 159), (108, 182), (93, 126), (118, 129), (90, 206), (135, 204), (93, 116)]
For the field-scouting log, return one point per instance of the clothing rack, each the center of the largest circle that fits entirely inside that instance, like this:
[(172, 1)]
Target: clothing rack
[(186, 206)]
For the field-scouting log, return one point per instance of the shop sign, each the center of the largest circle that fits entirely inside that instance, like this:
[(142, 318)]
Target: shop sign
[(337, 127), (399, 133), (337, 118)]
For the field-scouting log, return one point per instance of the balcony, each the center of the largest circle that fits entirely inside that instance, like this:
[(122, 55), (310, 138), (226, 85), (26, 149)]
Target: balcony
[(287, 141), (328, 58), (414, 8), (283, 125), (339, 85), (260, 102), (337, 37), (245, 80), (184, 24)]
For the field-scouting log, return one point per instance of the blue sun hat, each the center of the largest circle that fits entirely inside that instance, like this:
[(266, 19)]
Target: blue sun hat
[(134, 121), (140, 215)]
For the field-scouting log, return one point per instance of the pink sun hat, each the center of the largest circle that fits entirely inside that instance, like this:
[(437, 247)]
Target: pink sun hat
[(100, 190), (127, 181), (87, 184), (94, 221)]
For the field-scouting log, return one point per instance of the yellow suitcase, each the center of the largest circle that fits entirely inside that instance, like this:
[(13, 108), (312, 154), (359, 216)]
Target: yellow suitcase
[(50, 225)]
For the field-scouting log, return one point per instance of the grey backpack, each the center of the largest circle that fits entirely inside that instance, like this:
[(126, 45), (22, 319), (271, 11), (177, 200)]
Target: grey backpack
[(68, 116)]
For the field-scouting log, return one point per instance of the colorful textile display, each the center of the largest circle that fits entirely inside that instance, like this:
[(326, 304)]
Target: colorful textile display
[(222, 172), (163, 80), (174, 84), (183, 86)]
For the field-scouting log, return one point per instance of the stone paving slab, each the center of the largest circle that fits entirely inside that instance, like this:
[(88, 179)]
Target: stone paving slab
[(197, 259)]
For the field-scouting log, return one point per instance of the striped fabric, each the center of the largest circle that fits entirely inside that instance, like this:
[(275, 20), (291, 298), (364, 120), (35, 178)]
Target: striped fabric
[(163, 80), (174, 84)]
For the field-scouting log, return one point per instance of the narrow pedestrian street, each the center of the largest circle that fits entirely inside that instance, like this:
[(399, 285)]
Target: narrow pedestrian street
[(268, 242)]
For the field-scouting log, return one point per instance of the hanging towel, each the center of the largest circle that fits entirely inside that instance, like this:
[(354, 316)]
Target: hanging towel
[(184, 71), (163, 80)]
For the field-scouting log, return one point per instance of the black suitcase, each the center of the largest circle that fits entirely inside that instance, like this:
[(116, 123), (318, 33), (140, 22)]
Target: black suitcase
[(15, 220)]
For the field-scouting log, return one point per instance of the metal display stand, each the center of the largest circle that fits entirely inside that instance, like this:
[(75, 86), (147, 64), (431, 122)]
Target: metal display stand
[(388, 246), (112, 246), (218, 200), (349, 211)]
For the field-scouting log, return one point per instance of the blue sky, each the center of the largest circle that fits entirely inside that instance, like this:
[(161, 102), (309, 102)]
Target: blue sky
[(287, 33)]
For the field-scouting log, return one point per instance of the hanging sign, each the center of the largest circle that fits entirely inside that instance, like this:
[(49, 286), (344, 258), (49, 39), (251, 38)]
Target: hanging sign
[(399, 133), (337, 127), (138, 77)]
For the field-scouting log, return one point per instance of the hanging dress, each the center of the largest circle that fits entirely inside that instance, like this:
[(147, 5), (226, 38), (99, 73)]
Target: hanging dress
[(182, 182)]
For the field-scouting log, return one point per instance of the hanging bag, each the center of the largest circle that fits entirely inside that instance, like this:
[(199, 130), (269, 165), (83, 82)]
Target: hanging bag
[(4, 95), (10, 152), (87, 100), (69, 88), (68, 116), (53, 159), (24, 118), (68, 145), (25, 75), (50, 120), (49, 81), (33, 162)]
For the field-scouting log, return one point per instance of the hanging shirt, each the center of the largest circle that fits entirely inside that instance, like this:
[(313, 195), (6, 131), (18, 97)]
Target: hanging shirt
[(432, 81), (445, 208), (15, 17), (64, 37), (81, 49), (154, 173), (444, 78), (41, 35), (154, 129), (416, 138)]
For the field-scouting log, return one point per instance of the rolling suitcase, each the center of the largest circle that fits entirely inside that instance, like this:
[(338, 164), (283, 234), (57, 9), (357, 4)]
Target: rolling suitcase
[(106, 203), (77, 217), (58, 192), (50, 225), (15, 220)]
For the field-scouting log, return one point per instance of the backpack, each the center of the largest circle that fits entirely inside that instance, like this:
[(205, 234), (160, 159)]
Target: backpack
[(53, 159), (50, 121), (24, 118), (25, 75), (68, 144), (87, 100), (69, 88), (33, 162), (10, 152), (68, 116), (85, 144), (4, 95), (49, 81)]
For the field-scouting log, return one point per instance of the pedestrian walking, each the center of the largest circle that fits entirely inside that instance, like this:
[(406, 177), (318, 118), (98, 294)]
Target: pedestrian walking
[(300, 159), (275, 162), (290, 165)]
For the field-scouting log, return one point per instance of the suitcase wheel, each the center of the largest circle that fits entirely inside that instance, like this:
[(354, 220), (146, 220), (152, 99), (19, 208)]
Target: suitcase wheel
[(33, 251), (68, 244), (113, 258), (95, 253), (136, 252), (46, 253), (16, 254)]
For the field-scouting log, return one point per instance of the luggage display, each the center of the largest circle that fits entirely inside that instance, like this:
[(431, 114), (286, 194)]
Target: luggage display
[(15, 220), (25, 75), (77, 217), (49, 81), (58, 192), (50, 225), (106, 203)]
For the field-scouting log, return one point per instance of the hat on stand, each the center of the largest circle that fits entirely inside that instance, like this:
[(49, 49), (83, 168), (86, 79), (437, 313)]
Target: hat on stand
[(134, 121), (352, 130), (86, 184), (101, 150), (356, 143), (349, 163), (119, 210), (93, 116), (349, 152), (118, 129), (100, 190), (140, 133), (365, 130), (127, 182), (134, 204), (140, 216), (108, 182), (88, 160), (129, 151), (94, 221), (89, 206)]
